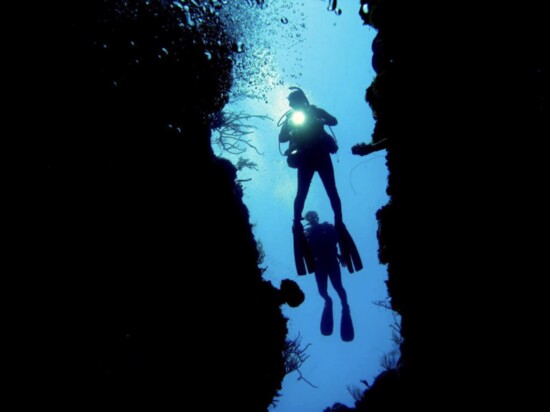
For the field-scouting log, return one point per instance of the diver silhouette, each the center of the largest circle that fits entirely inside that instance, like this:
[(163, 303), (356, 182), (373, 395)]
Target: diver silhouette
[(323, 241), (309, 150), (310, 147)]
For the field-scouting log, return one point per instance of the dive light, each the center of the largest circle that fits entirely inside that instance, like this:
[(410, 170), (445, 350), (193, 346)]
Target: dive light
[(298, 118)]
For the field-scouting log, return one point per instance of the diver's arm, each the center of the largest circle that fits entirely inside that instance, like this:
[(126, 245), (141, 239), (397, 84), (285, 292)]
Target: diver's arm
[(326, 118), (284, 134)]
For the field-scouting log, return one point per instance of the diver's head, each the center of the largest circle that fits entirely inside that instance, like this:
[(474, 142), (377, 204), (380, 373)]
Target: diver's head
[(297, 98), (312, 217)]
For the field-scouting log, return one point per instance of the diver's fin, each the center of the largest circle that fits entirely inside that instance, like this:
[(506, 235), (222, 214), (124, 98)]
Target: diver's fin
[(348, 249), (308, 255), (357, 262), (303, 257), (347, 332), (346, 256), (327, 321), (298, 253)]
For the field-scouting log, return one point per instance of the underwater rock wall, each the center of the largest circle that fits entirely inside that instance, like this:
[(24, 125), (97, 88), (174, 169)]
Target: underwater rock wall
[(459, 95), (139, 284)]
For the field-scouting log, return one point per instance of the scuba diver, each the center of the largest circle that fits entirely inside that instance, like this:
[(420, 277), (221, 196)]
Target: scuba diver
[(323, 240), (309, 150)]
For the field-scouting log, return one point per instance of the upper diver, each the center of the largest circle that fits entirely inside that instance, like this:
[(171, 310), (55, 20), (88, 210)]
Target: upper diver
[(310, 147)]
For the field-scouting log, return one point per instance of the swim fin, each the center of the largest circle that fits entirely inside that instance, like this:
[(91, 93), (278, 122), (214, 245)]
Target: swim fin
[(348, 250), (303, 257), (327, 320), (347, 332)]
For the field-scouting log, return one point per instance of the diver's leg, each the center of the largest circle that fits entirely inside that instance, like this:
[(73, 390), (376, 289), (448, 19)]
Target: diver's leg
[(327, 319), (335, 276), (348, 248), (305, 175), (326, 172), (302, 254), (321, 277), (347, 332)]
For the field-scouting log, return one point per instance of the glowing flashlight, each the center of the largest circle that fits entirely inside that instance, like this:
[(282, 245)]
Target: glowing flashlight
[(298, 118)]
